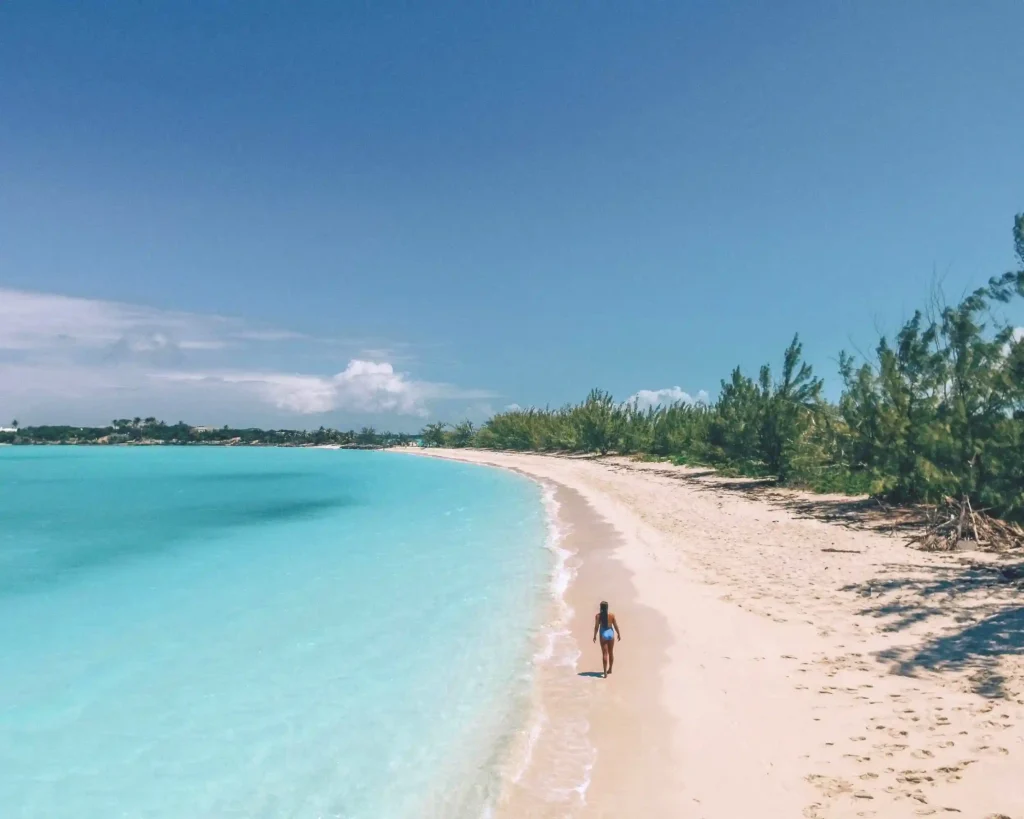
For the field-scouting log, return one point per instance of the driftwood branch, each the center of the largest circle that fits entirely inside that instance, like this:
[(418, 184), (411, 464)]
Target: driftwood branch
[(955, 524)]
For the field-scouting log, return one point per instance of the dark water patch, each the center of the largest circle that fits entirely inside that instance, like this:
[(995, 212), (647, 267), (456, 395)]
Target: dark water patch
[(12, 457), (135, 534), (250, 477), (204, 478)]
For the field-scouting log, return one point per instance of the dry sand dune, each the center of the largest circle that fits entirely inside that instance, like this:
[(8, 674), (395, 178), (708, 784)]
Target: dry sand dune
[(784, 655)]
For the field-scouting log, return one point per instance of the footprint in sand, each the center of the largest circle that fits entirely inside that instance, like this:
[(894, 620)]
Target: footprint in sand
[(830, 786), (914, 777), (891, 750), (922, 753)]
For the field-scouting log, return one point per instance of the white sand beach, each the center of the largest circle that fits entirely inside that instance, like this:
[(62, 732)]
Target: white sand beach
[(783, 655)]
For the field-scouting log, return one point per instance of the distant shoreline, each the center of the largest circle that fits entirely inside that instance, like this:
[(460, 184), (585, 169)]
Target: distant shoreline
[(199, 443), (153, 432)]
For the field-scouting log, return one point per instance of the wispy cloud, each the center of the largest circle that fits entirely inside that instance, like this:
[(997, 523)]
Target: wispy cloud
[(268, 335), (56, 348), (44, 321), (363, 386), (666, 396)]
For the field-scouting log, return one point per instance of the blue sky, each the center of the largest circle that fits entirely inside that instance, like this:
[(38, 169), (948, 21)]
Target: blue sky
[(208, 210)]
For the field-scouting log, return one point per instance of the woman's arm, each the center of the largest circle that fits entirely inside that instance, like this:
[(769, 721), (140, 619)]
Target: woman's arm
[(615, 625), (597, 623)]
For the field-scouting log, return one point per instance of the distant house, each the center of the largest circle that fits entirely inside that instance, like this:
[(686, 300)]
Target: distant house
[(202, 429), (8, 429)]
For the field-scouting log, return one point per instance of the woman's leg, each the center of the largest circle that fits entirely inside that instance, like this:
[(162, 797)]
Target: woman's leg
[(611, 655), (604, 657)]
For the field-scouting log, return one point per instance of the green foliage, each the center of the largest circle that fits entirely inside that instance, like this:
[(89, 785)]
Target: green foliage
[(434, 435), (938, 411), (462, 435), (599, 422)]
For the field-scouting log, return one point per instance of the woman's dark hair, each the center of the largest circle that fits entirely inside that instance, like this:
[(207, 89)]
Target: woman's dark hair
[(604, 615)]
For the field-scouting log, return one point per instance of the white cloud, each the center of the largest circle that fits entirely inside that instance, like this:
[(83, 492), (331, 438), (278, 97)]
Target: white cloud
[(204, 345), (44, 321), (363, 386), (268, 335), (513, 408), (666, 396), (1018, 334), (57, 348)]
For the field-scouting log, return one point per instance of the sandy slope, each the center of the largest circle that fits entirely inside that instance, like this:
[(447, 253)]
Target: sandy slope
[(778, 665)]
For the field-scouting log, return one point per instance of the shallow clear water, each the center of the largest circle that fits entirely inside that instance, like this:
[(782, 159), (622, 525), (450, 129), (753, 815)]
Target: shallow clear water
[(260, 632)]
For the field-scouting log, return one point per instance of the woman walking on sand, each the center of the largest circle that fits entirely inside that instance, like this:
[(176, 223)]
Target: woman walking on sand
[(607, 627)]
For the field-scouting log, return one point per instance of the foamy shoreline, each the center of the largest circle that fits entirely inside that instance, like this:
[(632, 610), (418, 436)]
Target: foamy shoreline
[(776, 665)]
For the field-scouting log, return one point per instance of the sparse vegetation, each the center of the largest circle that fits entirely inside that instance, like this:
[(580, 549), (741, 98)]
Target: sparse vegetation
[(937, 413)]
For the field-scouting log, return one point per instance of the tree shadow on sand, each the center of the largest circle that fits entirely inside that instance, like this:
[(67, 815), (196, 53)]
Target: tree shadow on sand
[(987, 630), (977, 649)]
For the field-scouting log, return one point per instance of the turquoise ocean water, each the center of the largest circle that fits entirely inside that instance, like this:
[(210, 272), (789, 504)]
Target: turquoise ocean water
[(200, 632)]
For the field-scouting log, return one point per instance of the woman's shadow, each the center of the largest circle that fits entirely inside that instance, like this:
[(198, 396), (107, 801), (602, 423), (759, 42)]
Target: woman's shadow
[(597, 674)]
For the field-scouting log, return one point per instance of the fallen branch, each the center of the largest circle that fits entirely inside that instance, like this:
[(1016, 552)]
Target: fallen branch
[(952, 524)]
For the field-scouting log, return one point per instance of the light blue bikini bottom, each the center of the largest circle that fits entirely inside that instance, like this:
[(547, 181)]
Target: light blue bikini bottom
[(608, 635)]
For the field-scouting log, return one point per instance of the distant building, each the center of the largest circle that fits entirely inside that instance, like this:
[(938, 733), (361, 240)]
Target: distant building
[(202, 429), (8, 429)]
